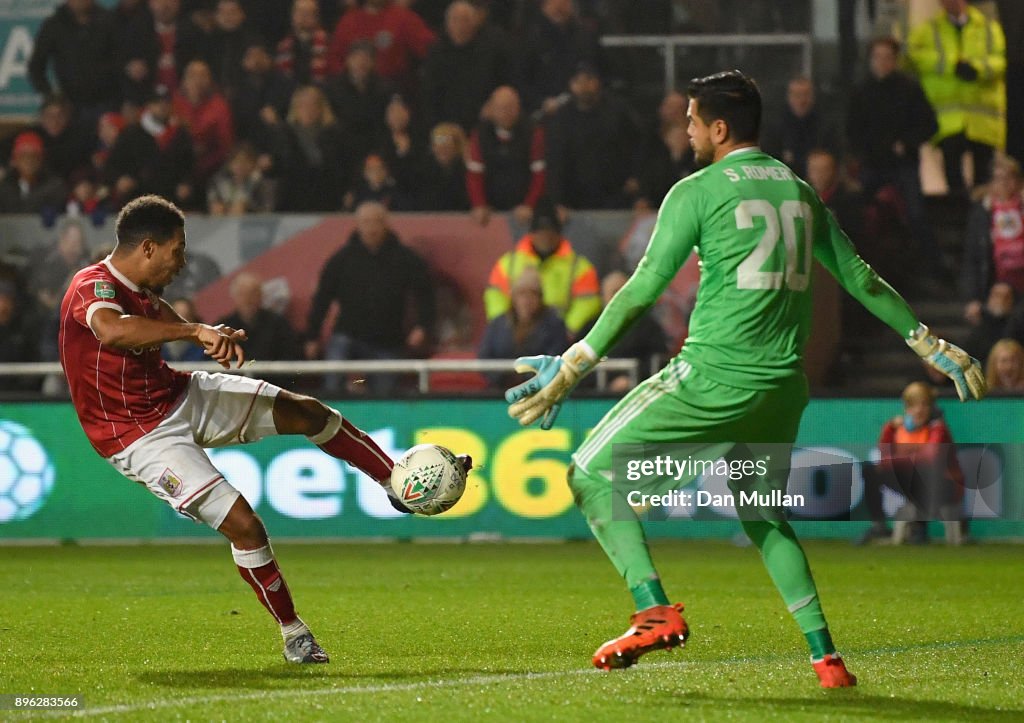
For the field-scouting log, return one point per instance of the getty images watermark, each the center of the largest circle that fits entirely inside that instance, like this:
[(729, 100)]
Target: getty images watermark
[(665, 467), (715, 481)]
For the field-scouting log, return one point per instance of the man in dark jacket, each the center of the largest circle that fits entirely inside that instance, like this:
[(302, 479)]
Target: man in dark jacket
[(889, 119), (232, 35), (505, 170), (28, 186), (154, 155), (374, 279), (79, 43), (359, 98), (800, 129), (591, 144), (555, 45), (158, 47), (270, 336), (68, 145), (462, 69)]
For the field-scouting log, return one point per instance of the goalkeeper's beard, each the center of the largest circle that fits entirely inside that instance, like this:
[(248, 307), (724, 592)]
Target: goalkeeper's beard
[(703, 157)]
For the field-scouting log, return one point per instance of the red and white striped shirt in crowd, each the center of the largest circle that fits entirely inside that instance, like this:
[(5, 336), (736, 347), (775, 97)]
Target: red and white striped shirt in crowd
[(119, 394)]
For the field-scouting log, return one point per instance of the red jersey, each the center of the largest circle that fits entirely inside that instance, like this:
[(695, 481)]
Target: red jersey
[(398, 34), (1008, 242), (119, 394)]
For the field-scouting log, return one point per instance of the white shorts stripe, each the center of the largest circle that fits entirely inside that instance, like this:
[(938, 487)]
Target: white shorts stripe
[(586, 451), (601, 435)]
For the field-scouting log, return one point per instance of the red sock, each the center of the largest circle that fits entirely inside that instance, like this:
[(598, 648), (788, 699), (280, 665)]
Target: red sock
[(260, 570), (355, 446)]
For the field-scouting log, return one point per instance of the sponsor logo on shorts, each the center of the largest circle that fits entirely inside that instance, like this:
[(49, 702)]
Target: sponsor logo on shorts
[(171, 483), (104, 290)]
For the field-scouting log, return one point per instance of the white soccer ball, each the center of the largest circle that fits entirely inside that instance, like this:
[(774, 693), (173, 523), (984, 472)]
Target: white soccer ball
[(26, 473), (428, 479)]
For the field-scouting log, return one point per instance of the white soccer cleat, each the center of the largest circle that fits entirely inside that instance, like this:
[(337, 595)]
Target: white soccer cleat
[(303, 648)]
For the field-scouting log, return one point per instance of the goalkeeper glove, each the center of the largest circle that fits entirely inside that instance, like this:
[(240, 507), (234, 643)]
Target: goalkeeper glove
[(951, 360), (553, 380)]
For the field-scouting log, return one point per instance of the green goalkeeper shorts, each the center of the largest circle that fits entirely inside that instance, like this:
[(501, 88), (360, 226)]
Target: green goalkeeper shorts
[(682, 406)]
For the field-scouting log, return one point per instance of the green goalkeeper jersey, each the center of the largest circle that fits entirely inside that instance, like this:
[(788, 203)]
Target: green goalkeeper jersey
[(756, 228)]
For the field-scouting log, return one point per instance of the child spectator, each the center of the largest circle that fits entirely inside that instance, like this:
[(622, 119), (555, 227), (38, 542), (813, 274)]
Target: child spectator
[(918, 460), (376, 184), (240, 188)]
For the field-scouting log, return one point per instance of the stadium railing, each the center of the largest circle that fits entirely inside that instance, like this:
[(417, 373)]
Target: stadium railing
[(422, 368)]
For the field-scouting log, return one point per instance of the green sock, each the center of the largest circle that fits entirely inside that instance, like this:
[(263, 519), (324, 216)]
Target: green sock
[(621, 537), (787, 566), (820, 643), (648, 594)]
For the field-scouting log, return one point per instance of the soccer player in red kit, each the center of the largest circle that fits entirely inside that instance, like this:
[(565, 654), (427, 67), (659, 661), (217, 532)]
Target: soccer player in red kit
[(152, 422)]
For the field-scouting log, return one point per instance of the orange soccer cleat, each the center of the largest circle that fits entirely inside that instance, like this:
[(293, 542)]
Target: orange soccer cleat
[(657, 628), (832, 672)]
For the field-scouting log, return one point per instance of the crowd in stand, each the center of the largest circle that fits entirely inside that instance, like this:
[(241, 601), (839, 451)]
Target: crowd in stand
[(230, 107)]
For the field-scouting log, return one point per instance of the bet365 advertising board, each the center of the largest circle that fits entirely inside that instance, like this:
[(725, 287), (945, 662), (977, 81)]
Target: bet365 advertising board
[(54, 486)]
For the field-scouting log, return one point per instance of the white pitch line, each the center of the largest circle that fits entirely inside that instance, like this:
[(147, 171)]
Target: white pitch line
[(481, 680), (359, 689)]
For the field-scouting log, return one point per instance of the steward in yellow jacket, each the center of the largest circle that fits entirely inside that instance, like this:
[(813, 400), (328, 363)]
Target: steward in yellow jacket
[(960, 58), (568, 281)]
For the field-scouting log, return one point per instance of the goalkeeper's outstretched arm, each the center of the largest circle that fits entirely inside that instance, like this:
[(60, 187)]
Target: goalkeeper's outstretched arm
[(836, 253), (554, 378)]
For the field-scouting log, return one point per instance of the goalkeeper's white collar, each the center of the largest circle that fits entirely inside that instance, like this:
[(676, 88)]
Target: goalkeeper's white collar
[(745, 149)]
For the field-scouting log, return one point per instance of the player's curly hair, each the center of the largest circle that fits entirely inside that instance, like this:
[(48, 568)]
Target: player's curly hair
[(151, 217), (730, 96)]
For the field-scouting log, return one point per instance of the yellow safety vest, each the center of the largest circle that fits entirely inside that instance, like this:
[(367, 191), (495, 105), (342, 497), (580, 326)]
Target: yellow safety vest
[(978, 108), (568, 282)]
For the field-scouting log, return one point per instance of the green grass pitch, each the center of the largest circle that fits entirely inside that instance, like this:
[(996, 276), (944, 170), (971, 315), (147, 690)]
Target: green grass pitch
[(505, 632)]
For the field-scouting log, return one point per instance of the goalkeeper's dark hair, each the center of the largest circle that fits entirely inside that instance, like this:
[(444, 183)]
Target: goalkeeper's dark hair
[(732, 97), (149, 217)]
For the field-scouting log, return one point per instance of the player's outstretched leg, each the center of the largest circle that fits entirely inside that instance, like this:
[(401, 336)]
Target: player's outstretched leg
[(338, 437), (335, 435), (256, 564), (656, 625), (787, 566)]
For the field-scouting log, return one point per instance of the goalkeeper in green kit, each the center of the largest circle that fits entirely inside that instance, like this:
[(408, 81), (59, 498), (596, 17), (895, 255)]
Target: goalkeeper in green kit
[(739, 376)]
